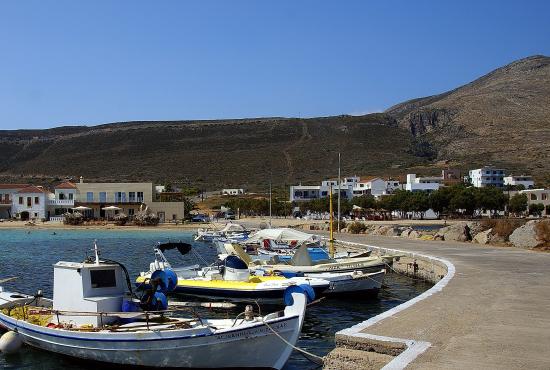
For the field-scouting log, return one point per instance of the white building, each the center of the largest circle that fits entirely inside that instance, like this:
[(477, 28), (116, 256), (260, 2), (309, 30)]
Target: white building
[(487, 176), (232, 191), (526, 181), (538, 196), (374, 186), (31, 202), (351, 187), (427, 183)]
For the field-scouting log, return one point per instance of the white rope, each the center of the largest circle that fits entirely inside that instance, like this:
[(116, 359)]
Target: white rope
[(310, 356)]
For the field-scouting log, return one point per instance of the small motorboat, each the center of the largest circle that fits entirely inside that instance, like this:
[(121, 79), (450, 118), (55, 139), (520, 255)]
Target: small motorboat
[(302, 262), (92, 317), (230, 279), (230, 232)]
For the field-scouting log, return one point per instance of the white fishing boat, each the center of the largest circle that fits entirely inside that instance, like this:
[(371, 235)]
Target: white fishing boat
[(86, 320)]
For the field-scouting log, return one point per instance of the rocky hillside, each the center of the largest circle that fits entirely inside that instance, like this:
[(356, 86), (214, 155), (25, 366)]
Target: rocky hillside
[(501, 118), (211, 154)]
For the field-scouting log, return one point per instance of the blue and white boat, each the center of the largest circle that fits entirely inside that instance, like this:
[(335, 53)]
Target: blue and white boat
[(91, 317)]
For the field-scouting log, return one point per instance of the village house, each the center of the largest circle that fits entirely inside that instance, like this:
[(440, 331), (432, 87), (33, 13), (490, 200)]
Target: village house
[(526, 181), (29, 202)]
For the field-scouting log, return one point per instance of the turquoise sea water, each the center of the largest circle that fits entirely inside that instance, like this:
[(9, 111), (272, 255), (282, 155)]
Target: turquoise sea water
[(30, 256)]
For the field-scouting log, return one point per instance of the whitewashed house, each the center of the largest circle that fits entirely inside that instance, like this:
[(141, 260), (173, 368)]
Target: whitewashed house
[(487, 176), (30, 203), (374, 186), (427, 183), (526, 181)]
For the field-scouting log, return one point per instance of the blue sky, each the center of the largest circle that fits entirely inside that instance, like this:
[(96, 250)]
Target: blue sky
[(86, 63)]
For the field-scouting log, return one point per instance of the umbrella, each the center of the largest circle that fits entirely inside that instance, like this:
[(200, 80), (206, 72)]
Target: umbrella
[(111, 208), (281, 235), (81, 208)]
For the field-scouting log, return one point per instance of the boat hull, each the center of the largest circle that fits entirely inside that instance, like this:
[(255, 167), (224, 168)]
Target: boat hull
[(250, 346), (350, 284)]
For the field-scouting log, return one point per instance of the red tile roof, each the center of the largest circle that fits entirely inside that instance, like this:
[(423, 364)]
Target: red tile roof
[(13, 186), (66, 185), (32, 189)]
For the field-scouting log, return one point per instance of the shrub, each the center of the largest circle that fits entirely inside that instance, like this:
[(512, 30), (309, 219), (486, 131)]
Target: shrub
[(343, 225), (120, 219), (75, 218), (357, 227), (506, 227), (146, 218)]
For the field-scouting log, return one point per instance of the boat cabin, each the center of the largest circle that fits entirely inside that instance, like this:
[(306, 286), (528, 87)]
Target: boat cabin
[(88, 287)]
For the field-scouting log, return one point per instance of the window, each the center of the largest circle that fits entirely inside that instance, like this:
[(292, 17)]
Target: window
[(102, 196), (20, 200), (71, 196), (35, 214), (89, 196), (132, 196), (103, 278), (140, 196), (544, 196), (36, 200), (61, 196), (130, 211), (29, 202), (533, 196)]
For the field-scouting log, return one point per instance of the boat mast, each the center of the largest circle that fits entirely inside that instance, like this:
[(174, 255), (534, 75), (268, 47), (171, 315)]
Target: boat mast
[(339, 191), (96, 251), (269, 203), (331, 228)]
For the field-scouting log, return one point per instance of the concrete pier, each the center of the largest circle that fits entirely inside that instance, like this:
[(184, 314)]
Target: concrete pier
[(493, 313)]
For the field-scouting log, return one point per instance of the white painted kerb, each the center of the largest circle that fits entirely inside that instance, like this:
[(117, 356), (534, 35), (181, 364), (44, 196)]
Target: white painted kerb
[(414, 348)]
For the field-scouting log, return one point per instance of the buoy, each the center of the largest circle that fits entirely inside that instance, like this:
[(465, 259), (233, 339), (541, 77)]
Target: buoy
[(10, 342)]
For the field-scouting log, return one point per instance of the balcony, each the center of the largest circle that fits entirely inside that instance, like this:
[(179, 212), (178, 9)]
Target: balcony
[(61, 202)]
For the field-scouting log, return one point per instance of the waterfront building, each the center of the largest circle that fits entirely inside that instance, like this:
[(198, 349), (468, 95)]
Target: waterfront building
[(8, 193), (26, 202), (526, 181), (487, 176), (128, 196), (31, 203)]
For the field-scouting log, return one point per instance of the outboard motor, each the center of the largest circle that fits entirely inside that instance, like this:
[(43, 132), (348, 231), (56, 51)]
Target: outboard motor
[(235, 269)]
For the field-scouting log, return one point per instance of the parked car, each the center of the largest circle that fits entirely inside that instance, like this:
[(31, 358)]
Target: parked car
[(200, 218), (229, 215)]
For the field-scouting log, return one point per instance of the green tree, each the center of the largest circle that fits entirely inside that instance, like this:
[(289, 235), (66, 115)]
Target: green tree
[(536, 209), (490, 198), (419, 202), (463, 201), (518, 203)]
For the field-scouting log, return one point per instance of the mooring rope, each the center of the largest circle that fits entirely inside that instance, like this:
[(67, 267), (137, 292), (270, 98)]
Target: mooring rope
[(310, 356)]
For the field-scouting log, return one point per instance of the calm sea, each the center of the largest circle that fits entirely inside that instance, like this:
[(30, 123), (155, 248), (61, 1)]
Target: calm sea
[(30, 256)]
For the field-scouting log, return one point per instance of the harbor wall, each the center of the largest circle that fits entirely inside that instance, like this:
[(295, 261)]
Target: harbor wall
[(356, 349)]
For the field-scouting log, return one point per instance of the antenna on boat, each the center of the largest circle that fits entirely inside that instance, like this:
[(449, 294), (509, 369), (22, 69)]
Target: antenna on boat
[(96, 251)]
